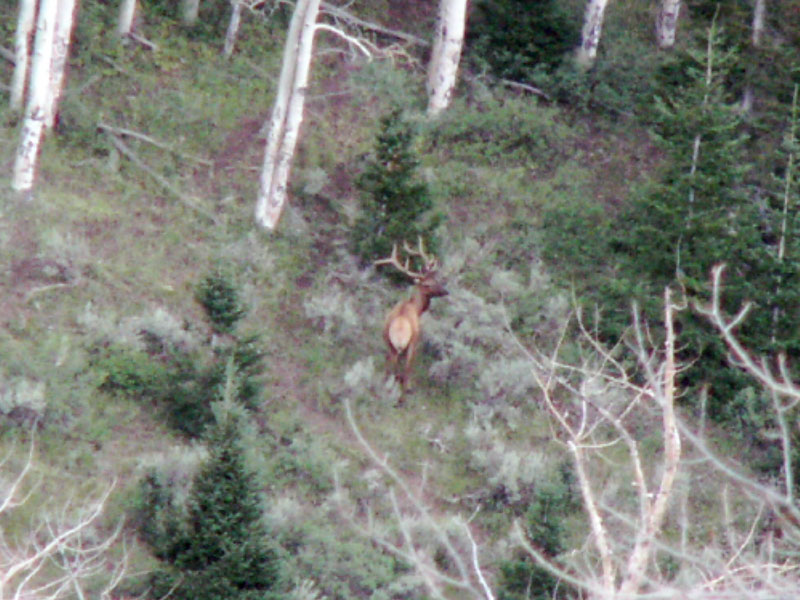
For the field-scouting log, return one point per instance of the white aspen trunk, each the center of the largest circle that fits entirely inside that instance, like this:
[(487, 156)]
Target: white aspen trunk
[(667, 23), (61, 40), (759, 10), (656, 507), (592, 28), (38, 98), (127, 11), (287, 114), (22, 45), (233, 27), (191, 9), (446, 54)]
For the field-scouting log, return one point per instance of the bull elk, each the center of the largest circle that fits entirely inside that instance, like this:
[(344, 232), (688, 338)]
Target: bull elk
[(401, 331)]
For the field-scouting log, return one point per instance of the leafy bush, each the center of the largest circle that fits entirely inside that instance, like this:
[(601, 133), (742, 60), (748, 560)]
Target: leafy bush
[(129, 372), (501, 131), (185, 382), (515, 38), (521, 578)]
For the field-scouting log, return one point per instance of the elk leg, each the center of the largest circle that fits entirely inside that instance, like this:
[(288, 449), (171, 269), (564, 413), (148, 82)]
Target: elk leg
[(412, 348), (390, 369)]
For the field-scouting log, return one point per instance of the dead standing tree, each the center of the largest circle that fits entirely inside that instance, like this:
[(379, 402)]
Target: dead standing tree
[(54, 24), (63, 554), (594, 408), (599, 404)]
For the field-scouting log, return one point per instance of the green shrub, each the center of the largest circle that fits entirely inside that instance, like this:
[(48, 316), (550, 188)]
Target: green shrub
[(130, 372), (515, 38), (157, 518), (521, 578), (184, 383), (502, 132)]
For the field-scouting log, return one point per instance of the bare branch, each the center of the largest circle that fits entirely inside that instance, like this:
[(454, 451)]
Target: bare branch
[(354, 21), (431, 574), (58, 555), (121, 131), (361, 45), (8, 502), (188, 201)]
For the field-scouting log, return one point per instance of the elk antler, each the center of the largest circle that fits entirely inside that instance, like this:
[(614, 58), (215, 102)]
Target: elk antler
[(430, 262)]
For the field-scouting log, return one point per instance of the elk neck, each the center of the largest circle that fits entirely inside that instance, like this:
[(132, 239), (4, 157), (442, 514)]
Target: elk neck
[(421, 299)]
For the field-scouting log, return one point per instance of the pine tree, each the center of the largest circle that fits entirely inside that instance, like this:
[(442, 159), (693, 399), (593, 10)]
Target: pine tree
[(395, 204), (705, 210), (699, 213), (223, 552)]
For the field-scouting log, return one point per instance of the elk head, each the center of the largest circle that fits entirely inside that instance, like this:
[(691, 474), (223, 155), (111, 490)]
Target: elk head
[(401, 331)]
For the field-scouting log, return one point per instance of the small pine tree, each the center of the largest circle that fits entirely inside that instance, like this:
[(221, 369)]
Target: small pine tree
[(223, 552), (395, 204), (218, 296)]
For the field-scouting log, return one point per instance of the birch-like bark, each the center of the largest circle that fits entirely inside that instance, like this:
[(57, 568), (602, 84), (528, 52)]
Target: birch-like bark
[(592, 28), (667, 23), (287, 114), (233, 27), (39, 97), (191, 10), (654, 509), (61, 40), (22, 45), (446, 54), (759, 10), (127, 11)]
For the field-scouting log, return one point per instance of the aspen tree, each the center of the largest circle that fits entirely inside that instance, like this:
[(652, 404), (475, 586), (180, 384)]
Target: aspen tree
[(39, 97), (446, 54), (127, 11), (667, 23), (61, 40), (592, 28), (287, 114), (22, 44)]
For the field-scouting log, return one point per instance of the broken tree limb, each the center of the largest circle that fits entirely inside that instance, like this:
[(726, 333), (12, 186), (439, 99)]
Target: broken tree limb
[(135, 159), (121, 131), (354, 21)]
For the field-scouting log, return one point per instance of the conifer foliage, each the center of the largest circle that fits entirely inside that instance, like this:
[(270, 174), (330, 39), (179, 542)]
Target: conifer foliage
[(705, 209), (221, 551), (396, 205)]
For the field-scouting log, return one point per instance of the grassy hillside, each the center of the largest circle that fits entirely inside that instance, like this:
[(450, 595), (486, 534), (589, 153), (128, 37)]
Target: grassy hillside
[(100, 273)]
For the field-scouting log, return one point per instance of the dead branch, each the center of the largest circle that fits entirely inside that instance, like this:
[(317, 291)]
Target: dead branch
[(361, 45), (61, 553), (143, 41), (516, 85), (600, 397), (121, 131), (8, 55), (784, 392), (354, 21), (432, 575), (135, 159)]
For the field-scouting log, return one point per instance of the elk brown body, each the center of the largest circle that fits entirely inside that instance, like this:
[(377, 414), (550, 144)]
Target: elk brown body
[(401, 330)]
